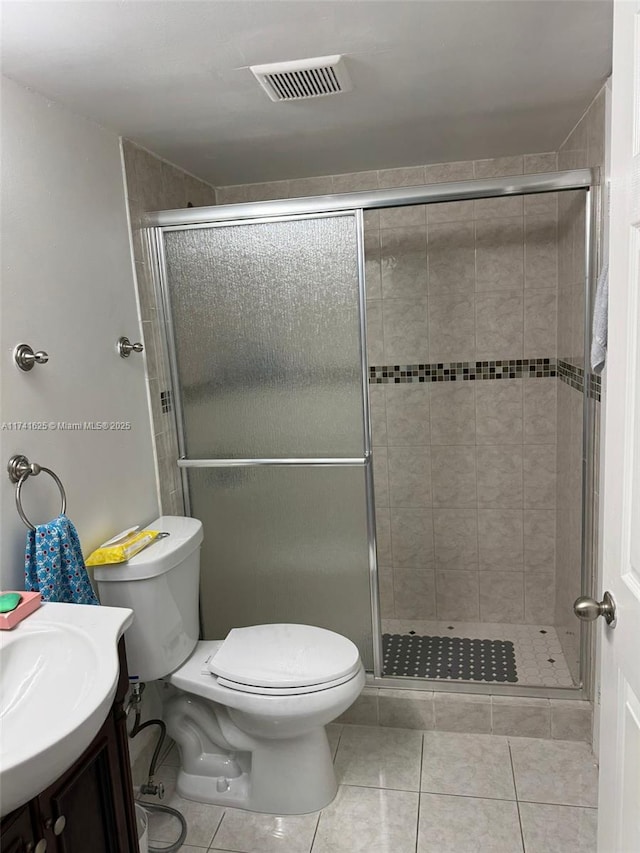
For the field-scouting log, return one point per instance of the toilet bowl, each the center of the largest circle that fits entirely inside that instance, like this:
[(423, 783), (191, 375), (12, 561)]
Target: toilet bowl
[(247, 712)]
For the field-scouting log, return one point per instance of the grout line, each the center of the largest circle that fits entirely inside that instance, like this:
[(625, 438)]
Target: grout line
[(515, 788), (217, 829), (419, 789), (315, 831), (419, 795)]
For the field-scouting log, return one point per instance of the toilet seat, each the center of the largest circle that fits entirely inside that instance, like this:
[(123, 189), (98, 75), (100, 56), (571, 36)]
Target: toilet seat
[(284, 659), (285, 691)]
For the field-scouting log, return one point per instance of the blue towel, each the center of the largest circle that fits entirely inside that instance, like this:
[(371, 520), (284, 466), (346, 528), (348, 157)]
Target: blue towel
[(53, 564)]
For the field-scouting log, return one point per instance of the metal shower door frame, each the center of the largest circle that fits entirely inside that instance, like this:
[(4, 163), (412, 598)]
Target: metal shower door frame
[(163, 299), (354, 204)]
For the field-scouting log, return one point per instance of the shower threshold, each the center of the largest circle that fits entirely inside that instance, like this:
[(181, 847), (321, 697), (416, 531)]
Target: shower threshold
[(538, 654)]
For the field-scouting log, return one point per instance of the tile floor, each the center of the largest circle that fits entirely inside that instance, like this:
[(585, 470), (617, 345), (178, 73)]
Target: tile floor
[(539, 658), (405, 791)]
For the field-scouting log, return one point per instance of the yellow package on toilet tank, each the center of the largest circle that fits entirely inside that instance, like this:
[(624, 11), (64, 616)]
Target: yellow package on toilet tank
[(122, 547)]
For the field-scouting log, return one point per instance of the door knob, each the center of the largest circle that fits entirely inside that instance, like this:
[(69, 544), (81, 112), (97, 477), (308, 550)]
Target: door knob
[(588, 609)]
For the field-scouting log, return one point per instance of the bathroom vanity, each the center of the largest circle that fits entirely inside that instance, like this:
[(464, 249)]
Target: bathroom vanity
[(90, 807)]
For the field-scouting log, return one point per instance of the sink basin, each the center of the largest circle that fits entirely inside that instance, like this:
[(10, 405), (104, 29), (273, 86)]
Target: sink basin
[(58, 677)]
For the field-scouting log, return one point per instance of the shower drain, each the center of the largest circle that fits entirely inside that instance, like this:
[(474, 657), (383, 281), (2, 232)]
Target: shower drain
[(448, 657)]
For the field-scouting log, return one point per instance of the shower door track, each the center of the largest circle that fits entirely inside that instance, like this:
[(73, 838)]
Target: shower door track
[(548, 182), (356, 202)]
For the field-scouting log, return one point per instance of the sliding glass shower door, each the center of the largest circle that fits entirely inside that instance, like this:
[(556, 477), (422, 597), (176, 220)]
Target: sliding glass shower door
[(265, 327)]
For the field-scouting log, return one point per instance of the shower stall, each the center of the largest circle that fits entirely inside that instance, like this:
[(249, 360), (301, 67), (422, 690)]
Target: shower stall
[(384, 420)]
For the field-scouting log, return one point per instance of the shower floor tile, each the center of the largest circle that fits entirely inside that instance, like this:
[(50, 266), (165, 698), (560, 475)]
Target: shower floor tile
[(539, 658)]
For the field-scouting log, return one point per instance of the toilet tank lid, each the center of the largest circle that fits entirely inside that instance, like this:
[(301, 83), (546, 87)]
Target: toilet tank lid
[(185, 535)]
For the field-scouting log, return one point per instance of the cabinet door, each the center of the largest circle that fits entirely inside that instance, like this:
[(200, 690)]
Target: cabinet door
[(17, 831), (89, 798)]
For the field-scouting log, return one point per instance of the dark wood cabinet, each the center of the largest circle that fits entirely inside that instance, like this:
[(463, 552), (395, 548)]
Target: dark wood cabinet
[(90, 809)]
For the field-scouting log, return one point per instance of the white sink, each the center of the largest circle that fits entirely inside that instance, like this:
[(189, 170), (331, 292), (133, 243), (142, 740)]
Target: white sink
[(58, 677)]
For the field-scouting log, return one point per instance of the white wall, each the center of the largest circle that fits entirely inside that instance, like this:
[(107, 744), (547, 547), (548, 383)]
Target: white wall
[(67, 288)]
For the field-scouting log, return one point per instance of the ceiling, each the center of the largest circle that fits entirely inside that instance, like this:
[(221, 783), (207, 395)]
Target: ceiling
[(433, 80)]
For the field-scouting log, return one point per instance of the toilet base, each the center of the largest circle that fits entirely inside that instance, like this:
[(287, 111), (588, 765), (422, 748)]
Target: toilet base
[(289, 776)]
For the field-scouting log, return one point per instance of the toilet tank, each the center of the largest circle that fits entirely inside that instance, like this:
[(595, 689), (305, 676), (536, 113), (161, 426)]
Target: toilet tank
[(160, 585)]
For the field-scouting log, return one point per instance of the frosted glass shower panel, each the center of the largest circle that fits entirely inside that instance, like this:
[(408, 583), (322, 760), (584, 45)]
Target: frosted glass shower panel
[(267, 319), (284, 544)]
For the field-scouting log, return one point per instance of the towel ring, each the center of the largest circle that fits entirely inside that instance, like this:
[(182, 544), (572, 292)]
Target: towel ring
[(20, 469)]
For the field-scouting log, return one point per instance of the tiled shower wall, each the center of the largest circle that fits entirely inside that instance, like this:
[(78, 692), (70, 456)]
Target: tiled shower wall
[(585, 147), (464, 470), (154, 184)]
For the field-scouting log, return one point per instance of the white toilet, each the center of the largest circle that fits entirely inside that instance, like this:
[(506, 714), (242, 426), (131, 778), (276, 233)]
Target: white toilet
[(248, 712)]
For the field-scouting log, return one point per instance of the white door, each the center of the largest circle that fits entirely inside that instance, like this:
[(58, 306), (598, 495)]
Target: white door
[(619, 800)]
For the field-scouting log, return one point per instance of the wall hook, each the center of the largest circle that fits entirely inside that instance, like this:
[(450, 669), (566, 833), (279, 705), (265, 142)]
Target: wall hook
[(25, 357), (125, 347)]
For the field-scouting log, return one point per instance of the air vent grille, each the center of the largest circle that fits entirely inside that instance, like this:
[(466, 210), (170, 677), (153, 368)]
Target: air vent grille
[(305, 78)]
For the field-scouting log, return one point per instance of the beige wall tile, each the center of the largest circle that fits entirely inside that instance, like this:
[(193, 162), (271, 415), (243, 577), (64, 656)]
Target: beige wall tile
[(492, 208), (404, 262), (452, 327), (535, 164), (499, 255), (539, 598), (453, 473), (500, 539), (539, 476), (459, 170), (452, 413), (500, 477), (266, 191), (405, 328), (410, 477), (406, 709), (378, 414), (457, 598), (541, 252), (383, 535), (462, 712), (407, 409), (499, 411), (304, 187), (373, 274), (539, 540), (499, 325), (364, 711), (450, 211), (375, 340), (385, 590), (540, 318), (414, 593), (408, 176), (381, 476), (355, 182), (520, 717), (412, 538), (497, 167), (541, 204), (501, 596), (456, 539), (451, 260), (402, 217), (571, 720), (540, 411)]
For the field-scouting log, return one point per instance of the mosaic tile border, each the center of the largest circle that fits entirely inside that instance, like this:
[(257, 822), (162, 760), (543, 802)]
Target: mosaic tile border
[(465, 371), (573, 375)]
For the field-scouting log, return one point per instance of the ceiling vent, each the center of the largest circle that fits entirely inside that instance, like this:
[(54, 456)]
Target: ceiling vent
[(303, 78)]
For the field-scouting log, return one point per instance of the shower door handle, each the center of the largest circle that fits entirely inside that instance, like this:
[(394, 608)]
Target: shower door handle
[(300, 462)]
